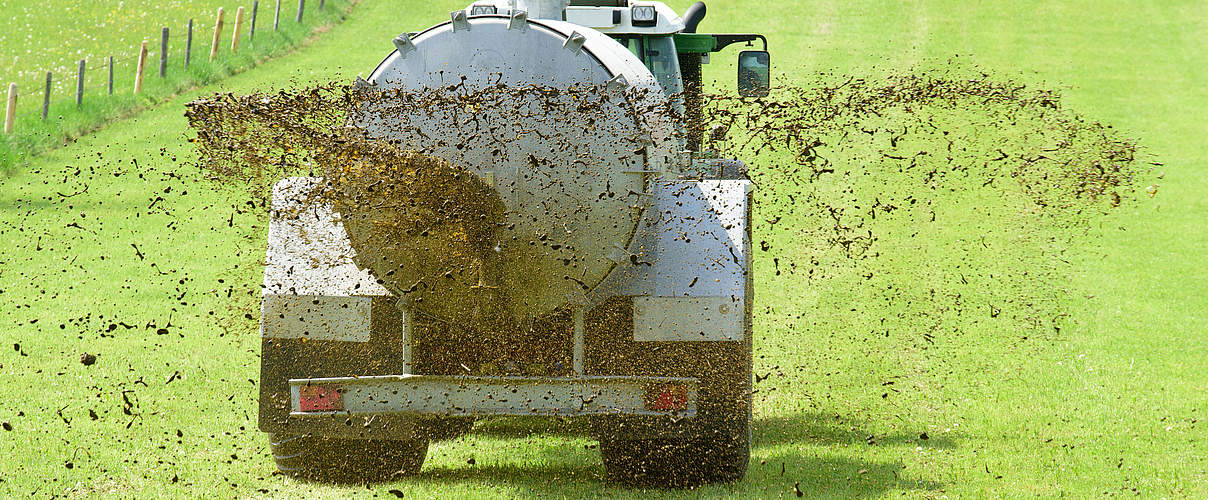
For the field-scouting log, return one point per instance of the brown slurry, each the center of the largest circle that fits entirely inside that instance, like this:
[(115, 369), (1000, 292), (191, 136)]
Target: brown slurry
[(845, 167)]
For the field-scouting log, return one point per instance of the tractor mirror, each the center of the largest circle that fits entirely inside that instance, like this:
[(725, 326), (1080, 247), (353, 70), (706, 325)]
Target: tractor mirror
[(754, 70)]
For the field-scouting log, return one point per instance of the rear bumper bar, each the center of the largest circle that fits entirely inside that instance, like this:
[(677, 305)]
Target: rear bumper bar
[(438, 395)]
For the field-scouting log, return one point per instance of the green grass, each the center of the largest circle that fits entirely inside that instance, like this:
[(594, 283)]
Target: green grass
[(55, 36), (1114, 402)]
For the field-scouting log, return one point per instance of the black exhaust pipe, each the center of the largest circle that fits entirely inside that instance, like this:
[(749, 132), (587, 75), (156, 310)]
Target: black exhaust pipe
[(693, 16)]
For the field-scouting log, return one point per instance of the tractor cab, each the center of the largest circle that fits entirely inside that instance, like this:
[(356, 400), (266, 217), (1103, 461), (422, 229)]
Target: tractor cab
[(666, 43)]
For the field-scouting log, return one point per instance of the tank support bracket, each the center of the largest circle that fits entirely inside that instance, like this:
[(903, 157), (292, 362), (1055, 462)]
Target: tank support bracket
[(579, 334)]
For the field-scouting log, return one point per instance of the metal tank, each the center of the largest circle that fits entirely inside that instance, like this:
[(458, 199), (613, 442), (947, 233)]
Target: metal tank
[(573, 181)]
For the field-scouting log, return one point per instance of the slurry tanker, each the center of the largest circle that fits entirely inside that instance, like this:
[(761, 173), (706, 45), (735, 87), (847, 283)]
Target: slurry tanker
[(615, 287)]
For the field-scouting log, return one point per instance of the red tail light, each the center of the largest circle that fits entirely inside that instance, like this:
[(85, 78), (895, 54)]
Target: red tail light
[(319, 398), (667, 397)]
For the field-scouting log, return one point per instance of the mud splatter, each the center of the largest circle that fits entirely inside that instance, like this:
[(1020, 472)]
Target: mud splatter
[(932, 208), (872, 185), (850, 171)]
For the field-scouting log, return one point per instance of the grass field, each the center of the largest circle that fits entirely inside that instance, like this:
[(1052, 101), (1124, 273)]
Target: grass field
[(37, 37), (114, 249), (54, 36)]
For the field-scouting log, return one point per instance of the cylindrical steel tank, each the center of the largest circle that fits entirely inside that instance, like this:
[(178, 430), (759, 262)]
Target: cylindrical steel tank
[(563, 122)]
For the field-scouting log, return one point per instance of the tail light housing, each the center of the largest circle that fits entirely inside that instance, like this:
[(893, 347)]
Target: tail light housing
[(667, 397), (319, 398)]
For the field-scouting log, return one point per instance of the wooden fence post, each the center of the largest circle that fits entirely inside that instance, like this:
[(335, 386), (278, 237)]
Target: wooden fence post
[(138, 72), (110, 75), (217, 32), (163, 53), (238, 29), (277, 16), (251, 33), (80, 85), (301, 7), (46, 97), (189, 44), (10, 111)]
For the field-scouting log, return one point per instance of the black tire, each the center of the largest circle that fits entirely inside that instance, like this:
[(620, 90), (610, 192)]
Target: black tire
[(347, 460), (668, 463), (714, 446)]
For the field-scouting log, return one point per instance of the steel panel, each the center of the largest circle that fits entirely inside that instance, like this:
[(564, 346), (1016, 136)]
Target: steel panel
[(687, 319), (316, 317), (701, 245), (308, 250)]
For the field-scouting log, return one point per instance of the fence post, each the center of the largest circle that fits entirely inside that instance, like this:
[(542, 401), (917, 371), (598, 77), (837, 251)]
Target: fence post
[(80, 85), (251, 33), (238, 29), (46, 97), (10, 111), (321, 4), (110, 75), (163, 53), (189, 44), (138, 72), (277, 15), (301, 7), (217, 32)]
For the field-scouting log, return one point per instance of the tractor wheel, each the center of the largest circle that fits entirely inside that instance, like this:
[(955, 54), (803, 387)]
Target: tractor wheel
[(334, 459), (677, 463)]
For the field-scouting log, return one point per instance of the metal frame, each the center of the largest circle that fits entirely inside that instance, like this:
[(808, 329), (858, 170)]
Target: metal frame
[(443, 395)]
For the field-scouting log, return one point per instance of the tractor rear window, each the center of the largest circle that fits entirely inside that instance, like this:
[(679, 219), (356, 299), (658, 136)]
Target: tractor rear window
[(658, 54)]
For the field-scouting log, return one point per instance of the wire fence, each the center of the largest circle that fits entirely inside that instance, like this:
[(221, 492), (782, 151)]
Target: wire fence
[(164, 61)]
